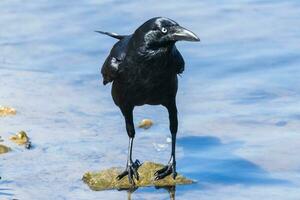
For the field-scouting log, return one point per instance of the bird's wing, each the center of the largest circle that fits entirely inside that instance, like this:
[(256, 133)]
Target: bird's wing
[(111, 66), (177, 61)]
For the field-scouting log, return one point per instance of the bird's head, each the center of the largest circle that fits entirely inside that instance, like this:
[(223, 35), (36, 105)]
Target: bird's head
[(161, 32)]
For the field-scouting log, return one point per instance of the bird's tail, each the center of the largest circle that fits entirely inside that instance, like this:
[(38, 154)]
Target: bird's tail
[(114, 35)]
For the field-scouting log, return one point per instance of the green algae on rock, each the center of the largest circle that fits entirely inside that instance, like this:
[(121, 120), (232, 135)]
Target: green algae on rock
[(106, 179), (4, 149)]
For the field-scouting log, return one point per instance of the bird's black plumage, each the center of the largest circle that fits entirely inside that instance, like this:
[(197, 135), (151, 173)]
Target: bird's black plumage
[(143, 69), (112, 65)]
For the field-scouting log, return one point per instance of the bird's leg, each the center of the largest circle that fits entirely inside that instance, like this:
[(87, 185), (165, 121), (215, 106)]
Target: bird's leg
[(131, 167), (170, 168)]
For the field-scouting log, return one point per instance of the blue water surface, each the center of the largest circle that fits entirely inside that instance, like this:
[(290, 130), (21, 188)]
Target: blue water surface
[(238, 99)]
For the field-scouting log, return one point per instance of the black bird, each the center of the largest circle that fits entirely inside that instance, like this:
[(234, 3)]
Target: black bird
[(143, 68)]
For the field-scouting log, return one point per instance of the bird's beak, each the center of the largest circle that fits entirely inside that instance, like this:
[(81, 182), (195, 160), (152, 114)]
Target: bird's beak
[(181, 33)]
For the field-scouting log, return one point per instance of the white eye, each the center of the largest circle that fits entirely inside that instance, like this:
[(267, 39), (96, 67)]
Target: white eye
[(164, 30)]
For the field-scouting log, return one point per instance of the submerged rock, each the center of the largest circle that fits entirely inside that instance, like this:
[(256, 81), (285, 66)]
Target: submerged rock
[(106, 179), (6, 111), (146, 123), (4, 149)]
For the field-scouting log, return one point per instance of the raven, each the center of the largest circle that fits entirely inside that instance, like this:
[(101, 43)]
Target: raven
[(143, 69)]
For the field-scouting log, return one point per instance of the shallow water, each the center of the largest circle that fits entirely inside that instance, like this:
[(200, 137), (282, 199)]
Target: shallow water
[(238, 100)]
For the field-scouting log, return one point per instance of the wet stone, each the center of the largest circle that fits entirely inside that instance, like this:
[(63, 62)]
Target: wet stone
[(7, 111), (21, 138), (4, 149), (106, 179), (145, 123)]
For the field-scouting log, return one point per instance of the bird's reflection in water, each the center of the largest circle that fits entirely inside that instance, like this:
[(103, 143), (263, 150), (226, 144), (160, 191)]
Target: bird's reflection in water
[(170, 189)]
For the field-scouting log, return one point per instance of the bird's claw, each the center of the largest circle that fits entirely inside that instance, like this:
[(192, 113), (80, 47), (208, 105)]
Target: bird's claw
[(131, 171), (165, 171)]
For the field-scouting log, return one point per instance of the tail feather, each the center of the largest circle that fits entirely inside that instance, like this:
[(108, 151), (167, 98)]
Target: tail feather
[(114, 35)]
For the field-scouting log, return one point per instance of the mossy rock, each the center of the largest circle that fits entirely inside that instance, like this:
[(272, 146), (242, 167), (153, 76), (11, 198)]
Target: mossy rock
[(106, 179), (4, 149)]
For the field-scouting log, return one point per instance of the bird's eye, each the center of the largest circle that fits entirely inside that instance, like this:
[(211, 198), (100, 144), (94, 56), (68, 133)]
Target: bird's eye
[(164, 30)]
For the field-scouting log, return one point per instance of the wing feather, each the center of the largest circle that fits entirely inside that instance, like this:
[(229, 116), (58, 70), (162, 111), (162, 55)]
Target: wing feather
[(177, 61), (111, 66)]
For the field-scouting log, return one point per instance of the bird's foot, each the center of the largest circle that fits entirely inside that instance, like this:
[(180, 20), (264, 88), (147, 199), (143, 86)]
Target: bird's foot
[(131, 171), (167, 170)]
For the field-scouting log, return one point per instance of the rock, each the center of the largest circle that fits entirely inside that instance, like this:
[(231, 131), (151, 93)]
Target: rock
[(145, 123), (4, 149), (21, 138), (6, 111), (106, 179)]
